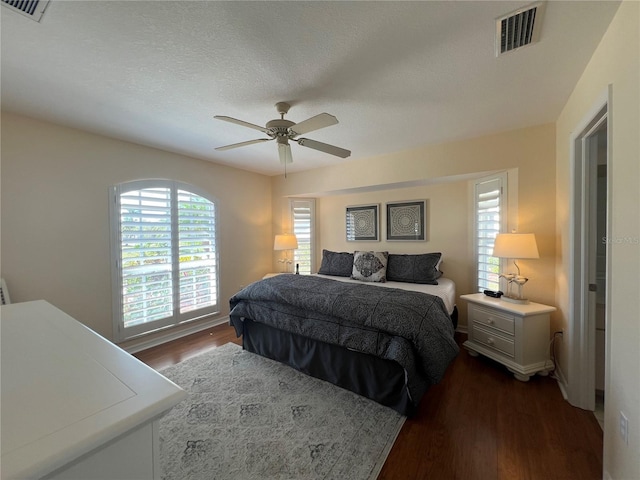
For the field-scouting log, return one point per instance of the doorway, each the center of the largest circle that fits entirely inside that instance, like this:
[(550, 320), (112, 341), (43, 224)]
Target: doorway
[(590, 223), (598, 260)]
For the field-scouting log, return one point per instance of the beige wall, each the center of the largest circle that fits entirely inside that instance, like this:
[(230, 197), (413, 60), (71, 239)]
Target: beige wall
[(616, 63), (439, 170), (55, 215), (447, 207)]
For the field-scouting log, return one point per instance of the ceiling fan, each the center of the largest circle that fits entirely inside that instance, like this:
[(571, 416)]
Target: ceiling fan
[(282, 131)]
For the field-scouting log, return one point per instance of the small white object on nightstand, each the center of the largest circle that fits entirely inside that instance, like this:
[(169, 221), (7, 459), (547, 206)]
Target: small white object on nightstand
[(515, 335)]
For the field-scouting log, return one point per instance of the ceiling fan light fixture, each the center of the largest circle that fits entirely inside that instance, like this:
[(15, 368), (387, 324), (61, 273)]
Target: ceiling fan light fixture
[(284, 150)]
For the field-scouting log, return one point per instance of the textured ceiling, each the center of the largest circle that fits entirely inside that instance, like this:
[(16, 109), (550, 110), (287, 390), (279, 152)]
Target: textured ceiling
[(397, 75)]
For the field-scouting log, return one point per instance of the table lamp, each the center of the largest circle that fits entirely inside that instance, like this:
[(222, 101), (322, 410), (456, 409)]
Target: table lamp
[(516, 246), (286, 242)]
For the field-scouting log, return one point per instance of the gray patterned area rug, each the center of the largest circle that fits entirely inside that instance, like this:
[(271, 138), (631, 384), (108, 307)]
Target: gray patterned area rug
[(248, 417)]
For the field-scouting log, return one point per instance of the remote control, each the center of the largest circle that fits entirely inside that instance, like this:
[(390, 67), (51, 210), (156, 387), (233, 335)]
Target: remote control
[(492, 293)]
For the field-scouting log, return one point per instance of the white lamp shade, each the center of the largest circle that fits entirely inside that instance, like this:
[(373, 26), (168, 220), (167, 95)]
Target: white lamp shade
[(515, 245), (286, 241)]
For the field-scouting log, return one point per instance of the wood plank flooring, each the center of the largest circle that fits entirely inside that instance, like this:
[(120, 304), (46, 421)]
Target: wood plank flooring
[(479, 423)]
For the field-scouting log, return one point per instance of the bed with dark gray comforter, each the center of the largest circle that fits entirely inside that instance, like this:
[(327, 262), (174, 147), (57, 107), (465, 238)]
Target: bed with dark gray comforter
[(385, 343)]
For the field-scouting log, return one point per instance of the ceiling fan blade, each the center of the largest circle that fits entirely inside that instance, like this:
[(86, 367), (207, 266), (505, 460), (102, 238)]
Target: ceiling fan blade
[(314, 123), (242, 144), (284, 150), (324, 147), (241, 122)]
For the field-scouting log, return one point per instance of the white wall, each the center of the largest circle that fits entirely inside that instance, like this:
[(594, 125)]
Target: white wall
[(615, 62), (55, 215)]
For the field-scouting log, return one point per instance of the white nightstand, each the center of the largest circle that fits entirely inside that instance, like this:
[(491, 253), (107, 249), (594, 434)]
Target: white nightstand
[(515, 335)]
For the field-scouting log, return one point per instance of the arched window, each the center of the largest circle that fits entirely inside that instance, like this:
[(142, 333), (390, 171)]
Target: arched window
[(165, 257)]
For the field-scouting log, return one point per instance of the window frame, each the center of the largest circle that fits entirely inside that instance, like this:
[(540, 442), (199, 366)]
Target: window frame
[(311, 204), (120, 332)]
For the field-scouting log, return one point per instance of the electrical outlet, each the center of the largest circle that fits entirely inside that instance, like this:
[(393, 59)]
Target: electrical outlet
[(624, 427)]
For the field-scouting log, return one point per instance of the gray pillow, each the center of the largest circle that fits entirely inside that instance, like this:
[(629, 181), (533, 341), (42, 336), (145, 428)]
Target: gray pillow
[(370, 266), (336, 264), (421, 268)]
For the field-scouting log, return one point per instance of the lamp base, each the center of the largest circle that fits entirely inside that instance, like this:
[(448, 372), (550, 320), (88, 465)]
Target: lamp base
[(521, 301), (285, 268)]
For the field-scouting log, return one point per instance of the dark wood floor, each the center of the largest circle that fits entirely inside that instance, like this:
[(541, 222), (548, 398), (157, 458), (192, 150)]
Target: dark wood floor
[(478, 423)]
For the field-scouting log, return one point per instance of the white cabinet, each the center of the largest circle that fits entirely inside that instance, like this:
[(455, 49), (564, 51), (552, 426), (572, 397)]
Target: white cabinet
[(515, 335), (73, 404)]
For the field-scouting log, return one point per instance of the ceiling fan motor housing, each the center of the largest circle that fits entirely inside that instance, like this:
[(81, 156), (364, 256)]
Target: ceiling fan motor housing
[(280, 128)]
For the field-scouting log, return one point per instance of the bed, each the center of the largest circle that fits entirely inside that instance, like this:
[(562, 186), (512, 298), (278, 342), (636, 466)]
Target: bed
[(388, 341)]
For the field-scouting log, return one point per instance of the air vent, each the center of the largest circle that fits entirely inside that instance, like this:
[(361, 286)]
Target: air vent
[(29, 8), (519, 28)]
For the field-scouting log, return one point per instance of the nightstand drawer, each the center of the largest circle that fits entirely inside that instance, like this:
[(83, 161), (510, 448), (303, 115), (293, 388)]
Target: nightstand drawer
[(493, 319), (496, 342)]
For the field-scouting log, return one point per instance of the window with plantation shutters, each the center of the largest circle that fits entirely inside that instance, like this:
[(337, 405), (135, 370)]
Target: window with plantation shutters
[(303, 226), (165, 256), (490, 219)]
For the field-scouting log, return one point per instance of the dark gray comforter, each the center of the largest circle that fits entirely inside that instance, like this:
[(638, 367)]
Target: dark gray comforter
[(411, 328)]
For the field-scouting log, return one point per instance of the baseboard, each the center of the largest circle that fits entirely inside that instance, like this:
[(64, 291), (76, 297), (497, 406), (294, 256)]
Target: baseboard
[(562, 382), (143, 344), (462, 329)]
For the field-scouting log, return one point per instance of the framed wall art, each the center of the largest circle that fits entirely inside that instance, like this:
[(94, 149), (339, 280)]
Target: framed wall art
[(362, 223), (407, 220)]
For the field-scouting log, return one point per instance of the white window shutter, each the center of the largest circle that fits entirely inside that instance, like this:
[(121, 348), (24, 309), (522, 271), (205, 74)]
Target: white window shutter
[(303, 226), (146, 259), (197, 252), (490, 218)]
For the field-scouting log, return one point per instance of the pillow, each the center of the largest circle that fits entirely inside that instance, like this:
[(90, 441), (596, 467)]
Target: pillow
[(336, 264), (370, 266), (421, 268)]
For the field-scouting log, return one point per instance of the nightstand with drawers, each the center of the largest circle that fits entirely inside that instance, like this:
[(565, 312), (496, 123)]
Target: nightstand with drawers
[(514, 335)]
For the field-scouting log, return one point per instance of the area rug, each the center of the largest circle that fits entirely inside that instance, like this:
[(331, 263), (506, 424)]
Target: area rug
[(248, 417)]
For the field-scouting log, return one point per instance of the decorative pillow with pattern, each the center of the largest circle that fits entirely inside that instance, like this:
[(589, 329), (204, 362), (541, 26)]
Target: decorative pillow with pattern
[(338, 264), (421, 268), (370, 266)]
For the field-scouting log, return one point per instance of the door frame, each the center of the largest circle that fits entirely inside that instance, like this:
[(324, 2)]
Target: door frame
[(581, 324)]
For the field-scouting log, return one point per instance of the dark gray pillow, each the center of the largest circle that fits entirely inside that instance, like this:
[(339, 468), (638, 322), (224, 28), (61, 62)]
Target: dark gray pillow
[(338, 264), (420, 268)]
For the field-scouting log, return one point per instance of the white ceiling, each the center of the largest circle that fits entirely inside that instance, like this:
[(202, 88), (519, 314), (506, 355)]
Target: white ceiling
[(397, 75)]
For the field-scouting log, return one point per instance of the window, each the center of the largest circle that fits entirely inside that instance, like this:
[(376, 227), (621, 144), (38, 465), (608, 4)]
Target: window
[(303, 225), (165, 265), (490, 219)]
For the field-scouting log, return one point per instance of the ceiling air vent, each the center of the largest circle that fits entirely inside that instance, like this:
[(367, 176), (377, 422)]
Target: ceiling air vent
[(29, 8), (519, 28)]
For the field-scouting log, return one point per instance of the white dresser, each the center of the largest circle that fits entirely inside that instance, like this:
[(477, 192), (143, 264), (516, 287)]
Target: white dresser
[(73, 404), (515, 335)]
